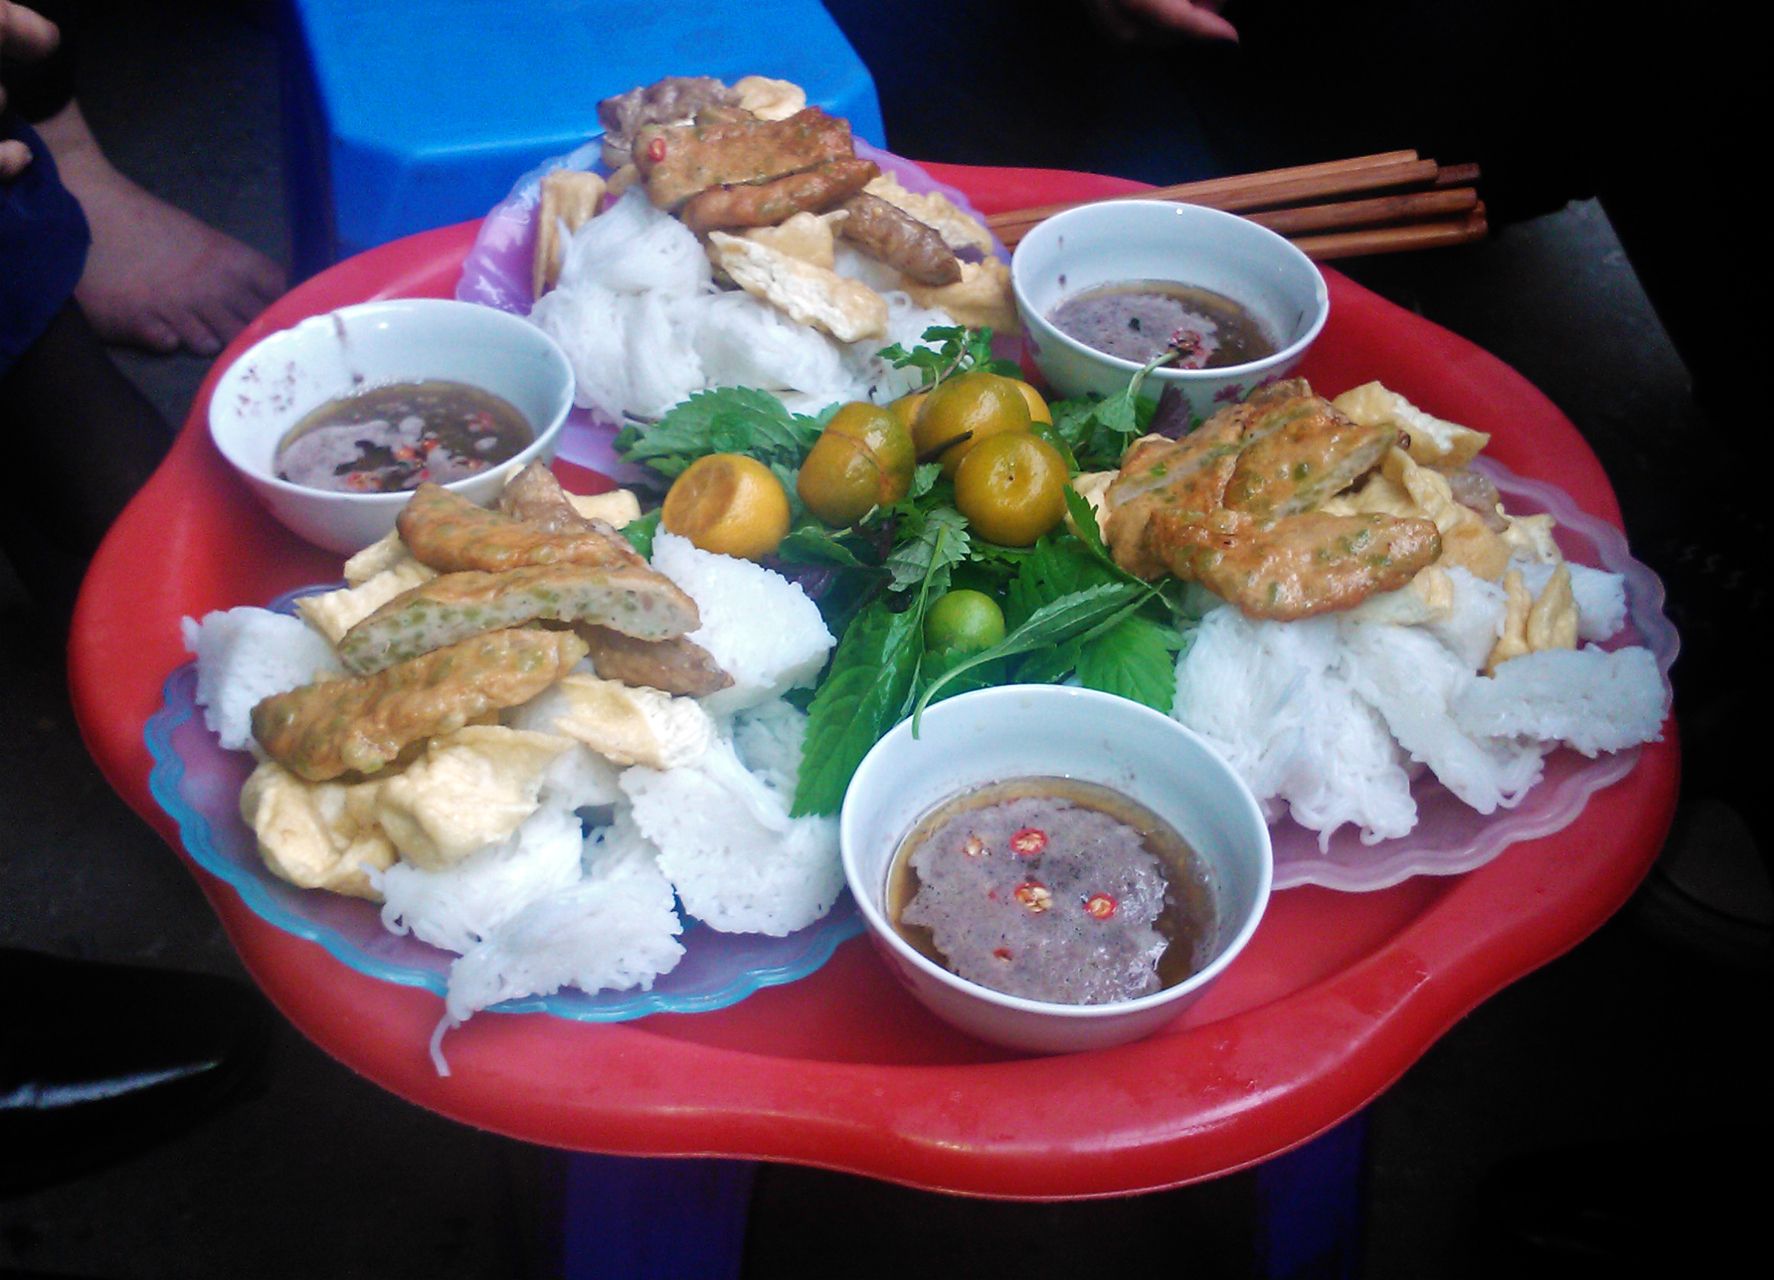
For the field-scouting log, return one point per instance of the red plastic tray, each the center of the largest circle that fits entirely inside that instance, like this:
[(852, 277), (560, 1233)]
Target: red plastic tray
[(1336, 996)]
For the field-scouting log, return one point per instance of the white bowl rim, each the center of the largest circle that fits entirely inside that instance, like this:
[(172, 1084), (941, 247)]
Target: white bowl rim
[(394, 306), (883, 931), (1320, 293)]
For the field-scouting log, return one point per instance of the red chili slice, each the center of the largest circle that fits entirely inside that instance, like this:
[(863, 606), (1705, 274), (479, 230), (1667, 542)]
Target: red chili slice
[(1034, 895), (1100, 905), (1029, 842), (656, 150)]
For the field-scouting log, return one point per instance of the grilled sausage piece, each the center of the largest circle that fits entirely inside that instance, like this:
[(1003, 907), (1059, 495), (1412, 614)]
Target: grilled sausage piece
[(893, 236), (765, 204)]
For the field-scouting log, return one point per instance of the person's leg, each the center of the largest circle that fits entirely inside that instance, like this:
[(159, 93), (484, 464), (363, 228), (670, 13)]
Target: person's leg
[(156, 277)]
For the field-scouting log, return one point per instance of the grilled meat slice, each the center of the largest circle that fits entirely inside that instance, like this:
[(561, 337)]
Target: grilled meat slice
[(677, 161), (678, 665), (451, 534), (1296, 567), (453, 606), (673, 100)]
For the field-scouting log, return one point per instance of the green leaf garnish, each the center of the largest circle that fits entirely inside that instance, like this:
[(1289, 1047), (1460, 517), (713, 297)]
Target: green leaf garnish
[(724, 420), (861, 698)]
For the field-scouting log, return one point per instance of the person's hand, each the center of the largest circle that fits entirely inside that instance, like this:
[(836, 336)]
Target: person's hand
[(25, 34), (1142, 20)]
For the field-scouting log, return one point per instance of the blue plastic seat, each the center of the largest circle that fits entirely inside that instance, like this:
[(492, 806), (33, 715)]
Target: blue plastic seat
[(402, 115)]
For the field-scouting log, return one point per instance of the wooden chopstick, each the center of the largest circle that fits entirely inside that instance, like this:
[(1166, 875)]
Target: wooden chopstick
[(1419, 235), (1411, 207), (1435, 204)]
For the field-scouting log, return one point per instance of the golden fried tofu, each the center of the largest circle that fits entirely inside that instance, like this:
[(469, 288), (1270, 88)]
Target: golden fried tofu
[(471, 788), (847, 309), (630, 726), (570, 199), (1552, 622), (381, 555), (312, 834), (333, 613), (1406, 490), (807, 236), (982, 299), (615, 508), (769, 99), (1432, 441)]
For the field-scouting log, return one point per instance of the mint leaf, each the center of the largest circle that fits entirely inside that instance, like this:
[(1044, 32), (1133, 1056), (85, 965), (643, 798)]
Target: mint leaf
[(861, 698), (1136, 659), (930, 544), (724, 420)]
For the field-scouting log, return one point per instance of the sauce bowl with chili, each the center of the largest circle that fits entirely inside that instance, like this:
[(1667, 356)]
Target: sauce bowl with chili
[(474, 391), (1126, 276), (1019, 787)]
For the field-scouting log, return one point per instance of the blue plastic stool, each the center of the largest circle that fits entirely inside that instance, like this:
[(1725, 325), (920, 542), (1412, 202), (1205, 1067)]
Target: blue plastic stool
[(402, 115), (627, 1218)]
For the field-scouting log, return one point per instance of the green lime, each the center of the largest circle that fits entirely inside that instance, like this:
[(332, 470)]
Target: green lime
[(963, 622)]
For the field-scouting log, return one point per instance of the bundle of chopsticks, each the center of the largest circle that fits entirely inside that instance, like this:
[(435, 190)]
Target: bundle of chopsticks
[(1381, 203)]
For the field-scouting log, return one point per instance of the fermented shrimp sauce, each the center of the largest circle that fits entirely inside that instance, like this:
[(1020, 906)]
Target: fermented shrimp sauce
[(1053, 889)]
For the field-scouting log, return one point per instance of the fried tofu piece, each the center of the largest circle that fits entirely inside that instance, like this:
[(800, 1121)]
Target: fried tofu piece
[(570, 199), (981, 300), (807, 236), (615, 508), (1552, 622), (362, 723), (471, 788), (1530, 538), (1426, 598), (333, 613), (630, 726), (454, 607), (1433, 442), (1408, 491), (769, 99), (312, 834), (958, 229), (386, 552), (452, 534), (1512, 640), (810, 295)]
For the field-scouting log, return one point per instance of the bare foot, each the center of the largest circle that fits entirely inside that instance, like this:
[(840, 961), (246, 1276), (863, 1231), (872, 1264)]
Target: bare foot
[(156, 277)]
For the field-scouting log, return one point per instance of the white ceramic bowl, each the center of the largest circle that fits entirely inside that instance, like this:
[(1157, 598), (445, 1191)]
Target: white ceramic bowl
[(1016, 731), (284, 376), (1116, 241)]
